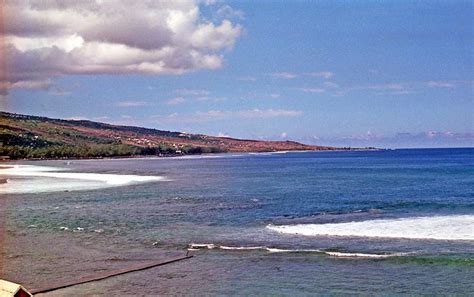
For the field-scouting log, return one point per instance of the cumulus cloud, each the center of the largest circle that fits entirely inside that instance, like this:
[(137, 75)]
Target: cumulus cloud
[(228, 12), (54, 38)]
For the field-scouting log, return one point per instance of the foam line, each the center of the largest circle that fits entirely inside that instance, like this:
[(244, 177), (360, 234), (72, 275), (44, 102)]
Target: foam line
[(212, 246), (364, 255)]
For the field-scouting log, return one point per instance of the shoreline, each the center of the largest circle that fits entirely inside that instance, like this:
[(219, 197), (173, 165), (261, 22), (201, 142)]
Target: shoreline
[(177, 156)]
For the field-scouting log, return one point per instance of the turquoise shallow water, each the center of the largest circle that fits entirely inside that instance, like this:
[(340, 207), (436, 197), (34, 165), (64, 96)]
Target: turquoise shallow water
[(237, 203)]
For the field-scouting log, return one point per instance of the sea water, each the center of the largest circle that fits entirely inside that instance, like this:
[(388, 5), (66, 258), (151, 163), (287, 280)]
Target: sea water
[(367, 222)]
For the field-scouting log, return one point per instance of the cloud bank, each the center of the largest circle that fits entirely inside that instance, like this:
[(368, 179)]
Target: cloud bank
[(220, 115), (398, 140), (44, 39)]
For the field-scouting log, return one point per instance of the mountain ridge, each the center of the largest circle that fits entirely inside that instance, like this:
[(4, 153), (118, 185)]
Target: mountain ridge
[(30, 136)]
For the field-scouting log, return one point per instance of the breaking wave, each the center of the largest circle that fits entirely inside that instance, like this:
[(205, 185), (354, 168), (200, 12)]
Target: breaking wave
[(365, 255), (211, 246), (452, 227), (33, 179)]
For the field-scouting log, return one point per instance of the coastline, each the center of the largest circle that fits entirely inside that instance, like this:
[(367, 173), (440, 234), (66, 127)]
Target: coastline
[(194, 155)]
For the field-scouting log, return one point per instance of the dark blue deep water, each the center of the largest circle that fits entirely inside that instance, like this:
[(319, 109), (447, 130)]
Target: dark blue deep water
[(223, 208)]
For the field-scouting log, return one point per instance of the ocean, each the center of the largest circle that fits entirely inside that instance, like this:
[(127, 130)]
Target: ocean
[(391, 222)]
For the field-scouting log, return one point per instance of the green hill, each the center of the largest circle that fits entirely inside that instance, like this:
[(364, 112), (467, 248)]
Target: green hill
[(25, 136)]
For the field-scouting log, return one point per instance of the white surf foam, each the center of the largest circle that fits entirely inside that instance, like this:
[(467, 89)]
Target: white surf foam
[(276, 250), (50, 179), (453, 227), (211, 246), (242, 248), (198, 246), (364, 255)]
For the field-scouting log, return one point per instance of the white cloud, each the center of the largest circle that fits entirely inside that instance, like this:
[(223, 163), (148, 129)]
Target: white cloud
[(211, 99), (45, 39), (40, 84), (284, 75), (176, 101), (60, 93), (210, 36), (220, 134), (312, 90), (387, 89), (251, 113), (193, 92), (78, 118), (275, 95), (402, 139), (330, 85), (101, 118), (441, 84), (132, 103), (228, 12), (410, 87), (391, 86), (323, 74), (247, 78), (283, 135), (216, 115)]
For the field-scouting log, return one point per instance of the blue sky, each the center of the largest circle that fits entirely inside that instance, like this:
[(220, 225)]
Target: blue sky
[(350, 73)]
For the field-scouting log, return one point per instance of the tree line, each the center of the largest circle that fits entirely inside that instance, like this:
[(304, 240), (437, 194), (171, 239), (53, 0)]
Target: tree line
[(99, 151)]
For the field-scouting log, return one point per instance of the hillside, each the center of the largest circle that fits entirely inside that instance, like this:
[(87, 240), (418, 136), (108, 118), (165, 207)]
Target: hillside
[(25, 136)]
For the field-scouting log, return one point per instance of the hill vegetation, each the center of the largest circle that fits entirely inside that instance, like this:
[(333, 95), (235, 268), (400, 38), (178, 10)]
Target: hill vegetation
[(25, 136)]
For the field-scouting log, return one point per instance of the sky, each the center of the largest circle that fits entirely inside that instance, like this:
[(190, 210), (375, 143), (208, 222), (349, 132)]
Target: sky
[(347, 73)]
